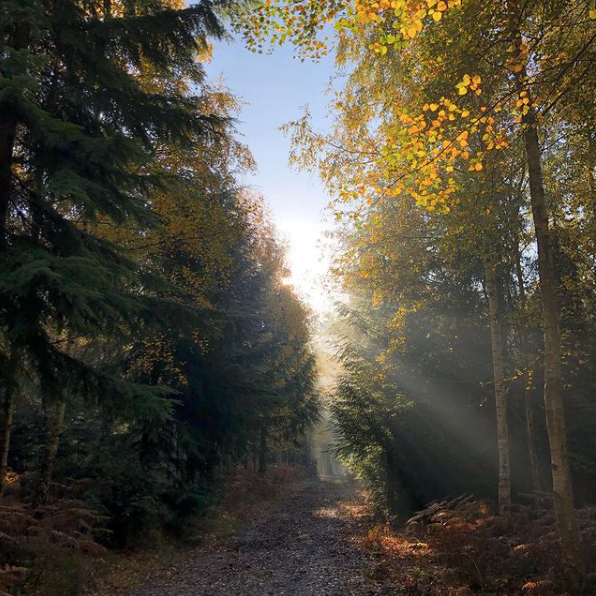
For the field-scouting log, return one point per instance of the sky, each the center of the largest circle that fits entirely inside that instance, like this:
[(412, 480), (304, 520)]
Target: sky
[(275, 89)]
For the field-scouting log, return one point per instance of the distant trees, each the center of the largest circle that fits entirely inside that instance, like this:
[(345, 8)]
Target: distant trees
[(147, 338)]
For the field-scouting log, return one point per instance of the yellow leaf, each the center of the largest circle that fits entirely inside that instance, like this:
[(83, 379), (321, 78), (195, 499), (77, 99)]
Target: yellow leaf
[(593, 14), (437, 15)]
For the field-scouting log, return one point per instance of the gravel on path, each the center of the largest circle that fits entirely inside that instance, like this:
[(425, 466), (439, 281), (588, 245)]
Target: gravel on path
[(307, 547)]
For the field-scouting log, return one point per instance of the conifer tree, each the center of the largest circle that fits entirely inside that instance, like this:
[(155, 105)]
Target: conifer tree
[(88, 91)]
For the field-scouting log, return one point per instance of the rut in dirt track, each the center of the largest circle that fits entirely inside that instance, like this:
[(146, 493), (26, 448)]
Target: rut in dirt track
[(302, 549)]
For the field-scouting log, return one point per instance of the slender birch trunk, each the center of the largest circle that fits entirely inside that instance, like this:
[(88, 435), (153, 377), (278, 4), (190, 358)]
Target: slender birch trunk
[(553, 399), (496, 335), (526, 378)]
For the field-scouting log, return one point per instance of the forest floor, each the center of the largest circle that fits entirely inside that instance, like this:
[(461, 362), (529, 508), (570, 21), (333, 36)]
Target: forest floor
[(319, 538), (307, 546)]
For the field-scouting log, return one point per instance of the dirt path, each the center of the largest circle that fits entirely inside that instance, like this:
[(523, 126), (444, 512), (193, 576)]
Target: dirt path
[(305, 548)]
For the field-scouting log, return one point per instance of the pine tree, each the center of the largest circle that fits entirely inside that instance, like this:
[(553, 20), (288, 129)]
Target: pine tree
[(88, 91)]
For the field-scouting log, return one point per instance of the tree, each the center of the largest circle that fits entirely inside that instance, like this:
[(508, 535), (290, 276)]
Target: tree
[(470, 47), (79, 125)]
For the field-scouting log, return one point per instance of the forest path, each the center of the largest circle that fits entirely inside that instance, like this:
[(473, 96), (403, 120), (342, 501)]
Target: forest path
[(307, 547)]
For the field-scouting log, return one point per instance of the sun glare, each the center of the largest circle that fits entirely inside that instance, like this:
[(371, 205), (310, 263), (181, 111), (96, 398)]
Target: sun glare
[(308, 261)]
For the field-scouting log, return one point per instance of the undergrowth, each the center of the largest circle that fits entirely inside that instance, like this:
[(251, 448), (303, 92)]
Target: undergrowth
[(63, 547), (241, 497), (48, 550), (473, 552)]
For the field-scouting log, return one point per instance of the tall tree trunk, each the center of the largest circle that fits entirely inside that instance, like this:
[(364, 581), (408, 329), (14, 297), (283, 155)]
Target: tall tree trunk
[(553, 399), (263, 451), (591, 174), (8, 128), (496, 335), (47, 464), (8, 404), (7, 139), (5, 430), (526, 376)]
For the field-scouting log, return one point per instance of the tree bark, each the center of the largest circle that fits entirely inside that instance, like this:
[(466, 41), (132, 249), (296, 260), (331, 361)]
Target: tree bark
[(8, 128), (553, 399), (8, 404), (47, 464), (7, 139), (496, 335), (591, 174), (526, 377), (5, 430)]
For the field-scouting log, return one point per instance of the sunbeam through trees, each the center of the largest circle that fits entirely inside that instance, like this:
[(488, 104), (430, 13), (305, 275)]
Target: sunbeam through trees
[(161, 367)]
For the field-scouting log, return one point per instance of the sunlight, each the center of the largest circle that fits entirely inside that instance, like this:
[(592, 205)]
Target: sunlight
[(308, 261), (326, 512), (277, 276)]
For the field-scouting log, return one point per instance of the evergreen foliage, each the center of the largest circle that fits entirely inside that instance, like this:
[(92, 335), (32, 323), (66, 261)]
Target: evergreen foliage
[(148, 341)]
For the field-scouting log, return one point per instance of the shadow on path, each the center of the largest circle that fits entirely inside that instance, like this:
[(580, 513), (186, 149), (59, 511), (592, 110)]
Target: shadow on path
[(303, 549)]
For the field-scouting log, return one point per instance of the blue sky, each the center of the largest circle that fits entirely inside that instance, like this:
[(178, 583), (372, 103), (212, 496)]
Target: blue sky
[(275, 88)]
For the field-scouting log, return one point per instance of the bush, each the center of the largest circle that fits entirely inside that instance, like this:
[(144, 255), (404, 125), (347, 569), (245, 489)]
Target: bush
[(49, 549)]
